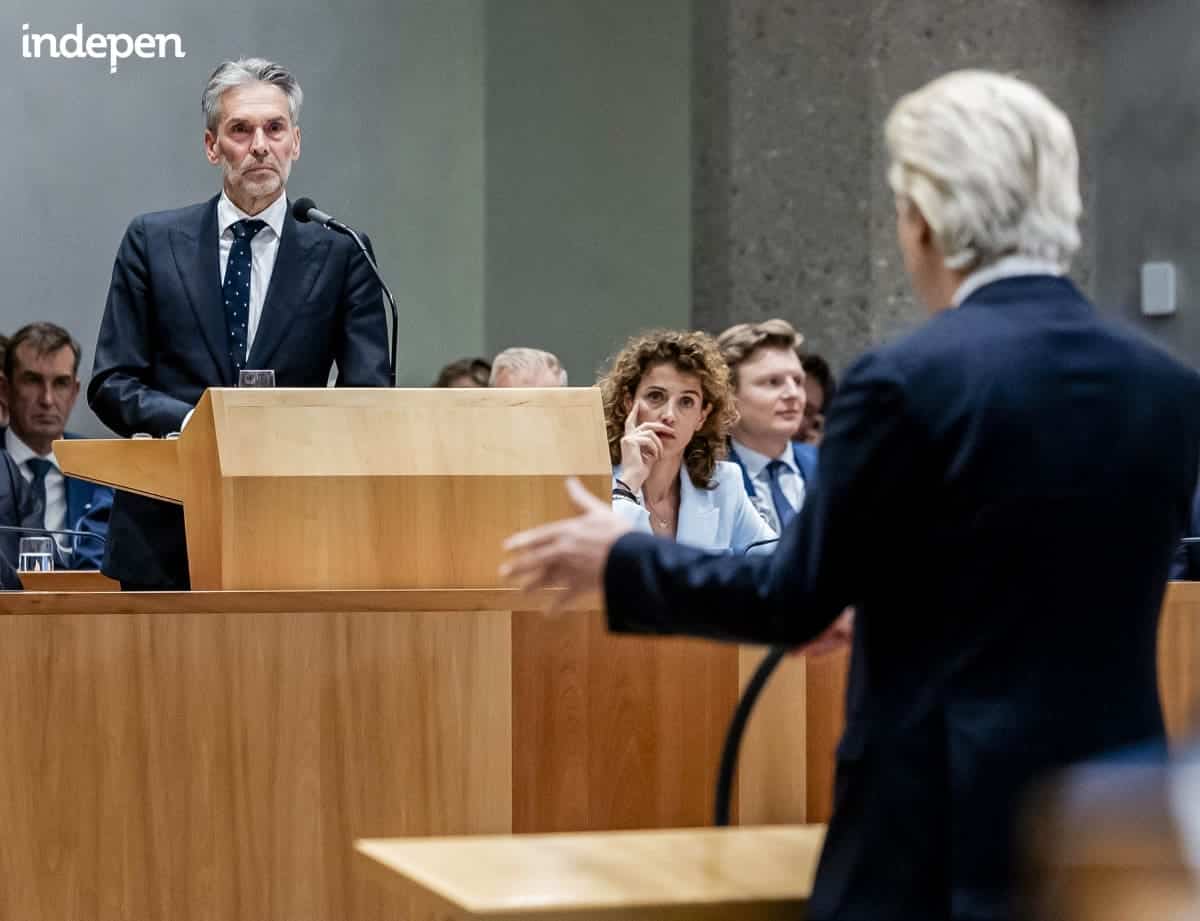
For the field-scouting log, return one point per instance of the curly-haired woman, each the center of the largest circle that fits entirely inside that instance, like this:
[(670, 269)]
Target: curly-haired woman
[(668, 408)]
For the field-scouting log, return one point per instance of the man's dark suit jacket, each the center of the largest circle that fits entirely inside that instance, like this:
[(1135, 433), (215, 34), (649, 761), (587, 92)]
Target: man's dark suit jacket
[(999, 496), (19, 509), (87, 509), (163, 341)]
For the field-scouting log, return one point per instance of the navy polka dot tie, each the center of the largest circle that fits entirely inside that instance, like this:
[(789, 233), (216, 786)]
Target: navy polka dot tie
[(236, 289)]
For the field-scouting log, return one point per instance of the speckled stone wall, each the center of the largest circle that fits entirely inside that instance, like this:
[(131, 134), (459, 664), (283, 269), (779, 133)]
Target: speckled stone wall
[(792, 215), (1148, 176)]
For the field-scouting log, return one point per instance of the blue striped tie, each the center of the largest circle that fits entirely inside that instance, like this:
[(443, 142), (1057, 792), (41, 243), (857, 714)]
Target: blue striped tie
[(783, 508)]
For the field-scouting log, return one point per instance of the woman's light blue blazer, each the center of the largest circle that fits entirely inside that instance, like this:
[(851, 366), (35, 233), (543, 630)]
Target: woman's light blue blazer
[(716, 519)]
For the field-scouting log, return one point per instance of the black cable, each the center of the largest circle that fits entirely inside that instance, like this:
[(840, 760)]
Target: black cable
[(741, 716), (737, 728), (41, 532)]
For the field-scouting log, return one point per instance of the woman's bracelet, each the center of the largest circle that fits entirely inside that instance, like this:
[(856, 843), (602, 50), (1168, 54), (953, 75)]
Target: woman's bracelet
[(623, 485), (624, 492)]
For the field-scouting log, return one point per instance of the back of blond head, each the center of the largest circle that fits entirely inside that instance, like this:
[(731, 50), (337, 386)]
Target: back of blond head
[(992, 165)]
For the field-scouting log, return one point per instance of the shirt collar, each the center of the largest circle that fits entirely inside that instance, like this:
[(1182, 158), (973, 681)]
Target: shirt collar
[(1007, 267), (755, 463), (21, 452), (229, 214)]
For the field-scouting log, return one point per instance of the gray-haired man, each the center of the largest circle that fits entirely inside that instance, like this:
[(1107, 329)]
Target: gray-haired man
[(199, 293)]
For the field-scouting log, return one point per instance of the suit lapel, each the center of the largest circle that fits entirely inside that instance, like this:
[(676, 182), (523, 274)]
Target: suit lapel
[(699, 516), (297, 265), (197, 258)]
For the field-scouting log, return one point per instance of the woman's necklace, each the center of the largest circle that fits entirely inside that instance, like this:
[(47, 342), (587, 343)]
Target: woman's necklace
[(657, 519)]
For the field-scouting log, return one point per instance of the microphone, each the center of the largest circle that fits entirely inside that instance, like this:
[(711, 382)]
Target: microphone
[(305, 210)]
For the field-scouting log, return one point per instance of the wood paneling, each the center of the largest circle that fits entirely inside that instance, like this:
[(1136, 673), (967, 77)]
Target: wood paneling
[(772, 771), (217, 767), (211, 755), (260, 602), (612, 731), (825, 707), (1179, 660)]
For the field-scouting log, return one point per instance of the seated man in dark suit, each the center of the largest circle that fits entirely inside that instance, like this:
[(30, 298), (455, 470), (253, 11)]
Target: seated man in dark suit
[(19, 508), (41, 382), (958, 493), (233, 283)]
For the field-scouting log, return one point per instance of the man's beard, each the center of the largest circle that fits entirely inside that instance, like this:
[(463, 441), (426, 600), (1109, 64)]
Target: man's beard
[(267, 184)]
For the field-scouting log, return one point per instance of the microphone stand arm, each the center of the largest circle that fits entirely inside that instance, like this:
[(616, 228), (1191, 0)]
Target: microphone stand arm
[(334, 224)]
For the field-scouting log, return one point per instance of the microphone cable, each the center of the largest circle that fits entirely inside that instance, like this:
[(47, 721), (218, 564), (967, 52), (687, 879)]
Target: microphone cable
[(741, 717)]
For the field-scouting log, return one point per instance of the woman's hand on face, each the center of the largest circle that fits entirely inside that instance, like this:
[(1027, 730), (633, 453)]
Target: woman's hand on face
[(640, 448)]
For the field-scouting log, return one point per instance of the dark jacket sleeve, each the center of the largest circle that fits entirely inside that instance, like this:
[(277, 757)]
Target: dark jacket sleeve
[(362, 353), (18, 508), (867, 475), (1186, 564), (89, 551), (118, 392)]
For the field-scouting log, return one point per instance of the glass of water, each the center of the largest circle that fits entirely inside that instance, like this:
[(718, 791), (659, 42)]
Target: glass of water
[(251, 377), (35, 554)]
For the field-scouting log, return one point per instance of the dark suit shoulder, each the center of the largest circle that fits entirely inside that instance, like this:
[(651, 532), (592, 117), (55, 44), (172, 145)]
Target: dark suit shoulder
[(189, 216), (310, 233), (1035, 323)]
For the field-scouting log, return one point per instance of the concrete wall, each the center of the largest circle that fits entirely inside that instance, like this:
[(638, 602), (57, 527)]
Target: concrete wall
[(792, 214), (1148, 171), (392, 142), (522, 167), (588, 186)]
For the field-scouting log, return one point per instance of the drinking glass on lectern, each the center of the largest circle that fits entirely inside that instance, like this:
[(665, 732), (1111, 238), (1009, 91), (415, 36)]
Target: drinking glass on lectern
[(249, 377), (35, 554)]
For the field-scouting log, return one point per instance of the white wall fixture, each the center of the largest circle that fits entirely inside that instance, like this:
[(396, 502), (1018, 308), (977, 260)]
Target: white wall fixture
[(1158, 289)]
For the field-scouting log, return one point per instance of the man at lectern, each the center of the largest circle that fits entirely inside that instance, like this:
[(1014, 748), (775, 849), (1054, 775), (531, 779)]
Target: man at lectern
[(233, 283), (995, 500)]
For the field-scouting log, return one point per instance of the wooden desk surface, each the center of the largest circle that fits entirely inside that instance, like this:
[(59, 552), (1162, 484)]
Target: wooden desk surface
[(707, 873), (285, 602), (69, 580)]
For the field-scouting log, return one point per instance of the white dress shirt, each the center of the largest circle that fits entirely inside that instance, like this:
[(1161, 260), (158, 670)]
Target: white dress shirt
[(1007, 267), (790, 481), (263, 250), (56, 485)]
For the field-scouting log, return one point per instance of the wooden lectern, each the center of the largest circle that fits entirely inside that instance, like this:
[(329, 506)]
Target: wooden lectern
[(354, 670), (333, 489)]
